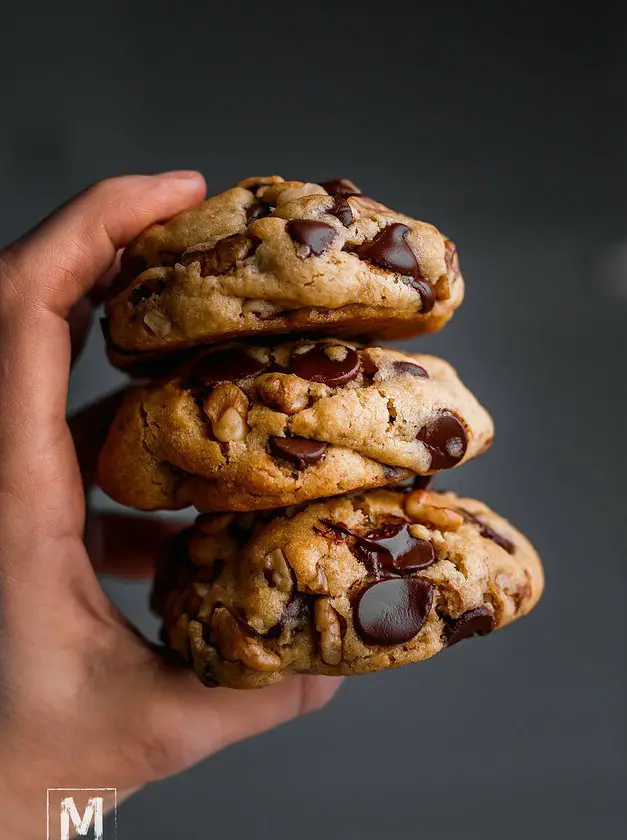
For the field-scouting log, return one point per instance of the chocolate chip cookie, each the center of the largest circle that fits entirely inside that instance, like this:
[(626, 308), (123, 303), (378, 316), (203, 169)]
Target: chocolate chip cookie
[(344, 586), (271, 257), (248, 427)]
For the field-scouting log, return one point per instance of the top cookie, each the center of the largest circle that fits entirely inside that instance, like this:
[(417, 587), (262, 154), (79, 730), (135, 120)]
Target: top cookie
[(271, 256)]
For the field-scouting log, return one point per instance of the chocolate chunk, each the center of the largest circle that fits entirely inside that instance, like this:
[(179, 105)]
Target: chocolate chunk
[(411, 368), (392, 611), (340, 186), (317, 236), (418, 482), (257, 211), (316, 366), (222, 257), (341, 209), (477, 622), (390, 250), (147, 290), (294, 617), (488, 532), (446, 440), (299, 450), (223, 366), (389, 549)]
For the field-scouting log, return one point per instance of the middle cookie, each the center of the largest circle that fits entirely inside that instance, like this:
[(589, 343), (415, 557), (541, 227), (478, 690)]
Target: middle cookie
[(246, 427)]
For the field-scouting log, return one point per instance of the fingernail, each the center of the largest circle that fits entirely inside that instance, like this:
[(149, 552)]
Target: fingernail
[(180, 174)]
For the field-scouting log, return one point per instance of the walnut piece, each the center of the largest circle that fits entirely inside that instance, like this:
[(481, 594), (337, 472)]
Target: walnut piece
[(421, 507), (328, 625), (276, 563), (335, 352), (319, 585), (222, 257), (227, 407), (158, 323), (285, 393), (235, 646)]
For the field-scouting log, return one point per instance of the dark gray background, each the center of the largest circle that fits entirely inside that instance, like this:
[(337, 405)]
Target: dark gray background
[(503, 124)]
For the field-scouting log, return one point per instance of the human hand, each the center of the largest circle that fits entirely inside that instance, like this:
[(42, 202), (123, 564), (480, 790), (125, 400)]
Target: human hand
[(83, 698)]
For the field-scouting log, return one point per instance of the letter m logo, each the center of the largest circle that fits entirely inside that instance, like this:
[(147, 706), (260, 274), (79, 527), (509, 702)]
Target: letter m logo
[(79, 813)]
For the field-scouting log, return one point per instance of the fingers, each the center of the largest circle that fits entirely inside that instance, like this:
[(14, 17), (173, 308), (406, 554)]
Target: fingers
[(125, 545), (41, 278), (60, 260), (201, 721)]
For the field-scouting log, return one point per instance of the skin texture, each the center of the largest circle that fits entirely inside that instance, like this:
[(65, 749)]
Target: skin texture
[(144, 716)]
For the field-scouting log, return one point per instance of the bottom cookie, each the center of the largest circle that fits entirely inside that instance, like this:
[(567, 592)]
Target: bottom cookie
[(347, 585)]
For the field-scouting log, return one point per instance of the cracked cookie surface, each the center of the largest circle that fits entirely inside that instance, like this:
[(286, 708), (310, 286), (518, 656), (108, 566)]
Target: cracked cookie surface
[(245, 428), (271, 256), (344, 586)]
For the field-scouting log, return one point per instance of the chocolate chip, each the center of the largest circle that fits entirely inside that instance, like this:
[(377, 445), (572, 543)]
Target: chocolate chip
[(411, 368), (390, 250), (389, 549), (258, 210), (299, 450), (446, 440), (340, 186), (316, 366), (487, 532), (317, 236), (341, 209), (222, 257), (418, 482), (477, 622), (294, 617), (223, 366), (392, 611)]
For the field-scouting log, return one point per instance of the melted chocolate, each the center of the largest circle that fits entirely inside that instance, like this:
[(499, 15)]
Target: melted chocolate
[(393, 610), (340, 186), (317, 236), (341, 209), (488, 532), (257, 211), (446, 439), (410, 368), (300, 451), (390, 250), (477, 622), (315, 366), (223, 366), (389, 549)]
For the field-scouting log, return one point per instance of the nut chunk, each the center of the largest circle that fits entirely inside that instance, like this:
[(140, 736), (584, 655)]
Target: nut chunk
[(235, 646), (227, 407), (328, 625)]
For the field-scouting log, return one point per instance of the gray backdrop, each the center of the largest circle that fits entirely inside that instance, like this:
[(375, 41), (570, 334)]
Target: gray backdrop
[(502, 123)]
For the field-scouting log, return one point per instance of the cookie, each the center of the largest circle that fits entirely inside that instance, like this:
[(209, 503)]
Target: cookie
[(344, 586), (245, 428), (272, 257)]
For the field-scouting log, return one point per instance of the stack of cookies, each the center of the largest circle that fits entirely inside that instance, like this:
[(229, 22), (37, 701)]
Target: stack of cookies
[(306, 447)]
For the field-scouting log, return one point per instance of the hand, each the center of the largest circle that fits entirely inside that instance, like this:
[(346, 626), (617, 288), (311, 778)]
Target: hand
[(83, 698)]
